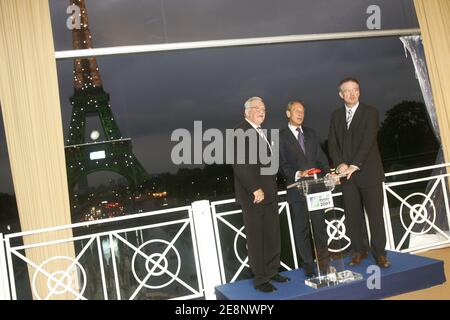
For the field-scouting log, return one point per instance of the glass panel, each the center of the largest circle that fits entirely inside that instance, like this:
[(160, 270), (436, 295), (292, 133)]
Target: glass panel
[(135, 22), (141, 99)]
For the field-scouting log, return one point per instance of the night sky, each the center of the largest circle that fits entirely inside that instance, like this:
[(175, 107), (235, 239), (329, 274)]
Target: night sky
[(155, 93)]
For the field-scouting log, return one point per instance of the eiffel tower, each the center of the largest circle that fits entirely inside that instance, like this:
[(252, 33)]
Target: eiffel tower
[(115, 152)]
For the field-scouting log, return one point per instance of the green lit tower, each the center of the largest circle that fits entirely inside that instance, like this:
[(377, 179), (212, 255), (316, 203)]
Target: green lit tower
[(114, 152)]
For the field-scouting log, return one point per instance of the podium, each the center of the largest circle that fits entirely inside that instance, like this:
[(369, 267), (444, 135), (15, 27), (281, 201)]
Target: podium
[(318, 195)]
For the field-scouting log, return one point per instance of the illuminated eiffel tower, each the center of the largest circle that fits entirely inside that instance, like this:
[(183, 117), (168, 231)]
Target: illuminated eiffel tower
[(115, 152)]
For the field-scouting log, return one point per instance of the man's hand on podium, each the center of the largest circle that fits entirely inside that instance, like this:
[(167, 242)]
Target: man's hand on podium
[(341, 168), (335, 177), (350, 170)]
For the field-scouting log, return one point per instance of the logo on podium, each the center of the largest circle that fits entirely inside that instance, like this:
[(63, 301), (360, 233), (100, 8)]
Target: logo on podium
[(319, 201)]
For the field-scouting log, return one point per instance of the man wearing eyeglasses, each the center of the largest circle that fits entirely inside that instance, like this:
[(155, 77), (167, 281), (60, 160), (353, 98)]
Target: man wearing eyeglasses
[(256, 192), (353, 147)]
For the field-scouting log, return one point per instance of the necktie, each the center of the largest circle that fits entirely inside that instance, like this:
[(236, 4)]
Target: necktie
[(349, 117), (301, 139)]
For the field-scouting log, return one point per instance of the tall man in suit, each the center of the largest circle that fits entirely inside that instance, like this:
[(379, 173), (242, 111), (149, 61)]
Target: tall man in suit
[(256, 192), (300, 151), (353, 147)]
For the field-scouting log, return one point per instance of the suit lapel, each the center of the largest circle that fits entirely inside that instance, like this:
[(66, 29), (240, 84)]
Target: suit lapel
[(356, 116), (341, 124), (307, 142), (247, 126)]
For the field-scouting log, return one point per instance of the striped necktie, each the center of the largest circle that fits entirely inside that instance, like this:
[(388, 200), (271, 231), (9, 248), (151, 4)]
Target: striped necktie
[(349, 117)]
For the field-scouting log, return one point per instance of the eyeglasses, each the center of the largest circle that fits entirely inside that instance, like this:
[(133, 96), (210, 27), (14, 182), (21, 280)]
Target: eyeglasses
[(258, 109), (350, 91)]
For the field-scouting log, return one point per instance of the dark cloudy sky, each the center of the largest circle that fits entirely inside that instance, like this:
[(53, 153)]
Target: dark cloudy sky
[(152, 94)]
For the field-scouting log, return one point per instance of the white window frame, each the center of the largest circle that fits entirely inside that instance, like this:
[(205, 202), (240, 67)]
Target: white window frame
[(107, 51)]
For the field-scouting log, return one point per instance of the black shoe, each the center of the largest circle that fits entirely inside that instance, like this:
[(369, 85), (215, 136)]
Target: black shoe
[(383, 262), (357, 257), (309, 270), (279, 278), (265, 287)]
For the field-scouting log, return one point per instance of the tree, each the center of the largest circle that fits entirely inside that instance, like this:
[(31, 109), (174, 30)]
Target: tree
[(406, 135)]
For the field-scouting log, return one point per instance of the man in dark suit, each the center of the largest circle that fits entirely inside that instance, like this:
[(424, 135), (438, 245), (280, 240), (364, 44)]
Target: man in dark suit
[(353, 147), (256, 192), (300, 151)]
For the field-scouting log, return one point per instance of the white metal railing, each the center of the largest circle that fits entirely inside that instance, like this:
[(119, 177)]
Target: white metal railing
[(135, 262), (415, 211), (206, 247), (4, 283), (238, 254), (188, 250)]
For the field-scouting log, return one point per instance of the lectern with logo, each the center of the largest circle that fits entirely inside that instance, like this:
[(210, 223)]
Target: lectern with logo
[(318, 195)]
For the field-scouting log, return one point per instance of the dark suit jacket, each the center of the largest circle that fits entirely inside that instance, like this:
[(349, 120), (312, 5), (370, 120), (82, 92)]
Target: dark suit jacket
[(248, 177), (358, 145), (292, 158)]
